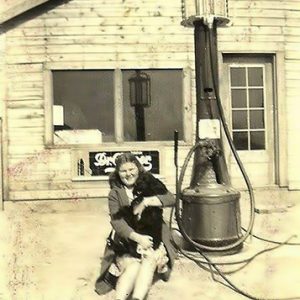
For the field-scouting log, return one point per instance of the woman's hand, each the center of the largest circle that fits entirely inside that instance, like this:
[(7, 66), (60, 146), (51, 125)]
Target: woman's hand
[(147, 201), (138, 209), (145, 241)]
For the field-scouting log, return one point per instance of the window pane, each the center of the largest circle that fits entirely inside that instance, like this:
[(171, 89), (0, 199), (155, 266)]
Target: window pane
[(238, 76), (240, 140), (165, 113), (256, 97), (87, 98), (255, 76), (257, 119), (239, 120), (239, 98), (257, 140)]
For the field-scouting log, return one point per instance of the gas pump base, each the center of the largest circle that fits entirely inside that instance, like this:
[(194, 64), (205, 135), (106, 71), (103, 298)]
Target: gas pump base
[(211, 217)]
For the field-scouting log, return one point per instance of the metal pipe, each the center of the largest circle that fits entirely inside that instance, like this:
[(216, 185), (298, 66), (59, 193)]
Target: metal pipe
[(206, 107)]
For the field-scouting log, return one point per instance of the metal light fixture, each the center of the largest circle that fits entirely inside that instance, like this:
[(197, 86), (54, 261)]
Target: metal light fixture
[(140, 97), (140, 89)]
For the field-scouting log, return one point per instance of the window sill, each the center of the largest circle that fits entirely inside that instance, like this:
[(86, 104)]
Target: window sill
[(134, 145), (104, 178), (89, 178)]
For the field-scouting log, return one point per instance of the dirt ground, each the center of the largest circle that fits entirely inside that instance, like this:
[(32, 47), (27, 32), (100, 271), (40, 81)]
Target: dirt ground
[(51, 250)]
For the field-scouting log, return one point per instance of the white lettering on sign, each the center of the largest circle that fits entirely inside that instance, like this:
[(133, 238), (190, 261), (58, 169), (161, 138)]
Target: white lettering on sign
[(103, 160), (145, 161), (209, 129), (109, 162)]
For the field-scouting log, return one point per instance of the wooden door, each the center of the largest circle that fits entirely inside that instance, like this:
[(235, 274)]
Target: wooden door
[(249, 82)]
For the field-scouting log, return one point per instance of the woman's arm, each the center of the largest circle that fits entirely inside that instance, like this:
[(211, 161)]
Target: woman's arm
[(145, 241), (147, 201), (119, 225), (167, 199), (152, 201), (160, 200)]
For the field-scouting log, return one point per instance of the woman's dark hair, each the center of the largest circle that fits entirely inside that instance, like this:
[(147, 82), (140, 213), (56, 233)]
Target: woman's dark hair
[(114, 178)]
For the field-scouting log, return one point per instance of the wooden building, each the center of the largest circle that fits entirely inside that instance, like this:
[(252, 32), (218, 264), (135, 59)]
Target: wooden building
[(64, 91)]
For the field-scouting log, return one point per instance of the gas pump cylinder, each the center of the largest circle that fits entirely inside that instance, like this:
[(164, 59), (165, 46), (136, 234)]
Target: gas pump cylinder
[(210, 206), (210, 210), (211, 215)]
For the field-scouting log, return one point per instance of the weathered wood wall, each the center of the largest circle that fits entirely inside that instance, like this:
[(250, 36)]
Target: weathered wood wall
[(80, 34), (2, 99), (123, 34), (269, 27), (292, 66)]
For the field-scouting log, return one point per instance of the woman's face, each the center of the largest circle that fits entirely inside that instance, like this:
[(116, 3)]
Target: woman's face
[(128, 173)]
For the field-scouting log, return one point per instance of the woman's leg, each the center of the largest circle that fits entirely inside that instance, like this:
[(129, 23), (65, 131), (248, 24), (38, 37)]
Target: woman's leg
[(144, 278), (126, 280)]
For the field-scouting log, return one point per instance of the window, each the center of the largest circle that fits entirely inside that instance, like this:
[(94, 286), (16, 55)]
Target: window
[(93, 106), (248, 107), (164, 114), (83, 100)]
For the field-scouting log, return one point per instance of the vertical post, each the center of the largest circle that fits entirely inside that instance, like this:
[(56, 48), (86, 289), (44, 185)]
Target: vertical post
[(204, 168), (1, 168), (203, 172), (118, 106), (140, 122), (139, 88), (197, 7)]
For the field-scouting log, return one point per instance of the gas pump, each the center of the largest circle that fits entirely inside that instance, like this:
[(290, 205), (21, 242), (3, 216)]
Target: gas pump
[(208, 211)]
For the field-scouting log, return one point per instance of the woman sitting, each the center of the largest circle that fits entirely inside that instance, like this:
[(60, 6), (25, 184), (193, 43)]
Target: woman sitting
[(121, 269)]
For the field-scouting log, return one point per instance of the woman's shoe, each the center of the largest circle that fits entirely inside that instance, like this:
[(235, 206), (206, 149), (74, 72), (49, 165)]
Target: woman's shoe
[(105, 284), (166, 275)]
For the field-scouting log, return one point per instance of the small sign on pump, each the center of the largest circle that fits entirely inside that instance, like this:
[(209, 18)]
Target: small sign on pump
[(209, 129)]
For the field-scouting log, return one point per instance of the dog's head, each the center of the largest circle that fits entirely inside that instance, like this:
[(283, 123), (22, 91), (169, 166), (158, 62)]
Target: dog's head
[(147, 185)]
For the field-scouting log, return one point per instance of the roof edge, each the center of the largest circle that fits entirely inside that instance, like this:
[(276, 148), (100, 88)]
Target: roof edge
[(19, 8)]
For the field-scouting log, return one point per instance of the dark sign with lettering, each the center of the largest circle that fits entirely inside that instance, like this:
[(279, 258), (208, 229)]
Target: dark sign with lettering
[(103, 163)]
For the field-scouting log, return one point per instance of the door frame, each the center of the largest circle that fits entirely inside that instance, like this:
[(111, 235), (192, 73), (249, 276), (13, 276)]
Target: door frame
[(279, 110)]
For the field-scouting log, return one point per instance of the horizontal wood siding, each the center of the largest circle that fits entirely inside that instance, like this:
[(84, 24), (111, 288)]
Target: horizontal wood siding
[(124, 34), (81, 34)]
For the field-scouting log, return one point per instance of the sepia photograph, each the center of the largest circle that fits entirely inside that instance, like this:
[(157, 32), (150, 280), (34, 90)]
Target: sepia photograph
[(149, 150)]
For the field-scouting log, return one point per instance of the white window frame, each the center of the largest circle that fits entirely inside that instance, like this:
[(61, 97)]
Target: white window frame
[(236, 65), (118, 108)]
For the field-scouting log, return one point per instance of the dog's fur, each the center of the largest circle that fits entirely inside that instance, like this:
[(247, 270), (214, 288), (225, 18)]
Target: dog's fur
[(151, 220)]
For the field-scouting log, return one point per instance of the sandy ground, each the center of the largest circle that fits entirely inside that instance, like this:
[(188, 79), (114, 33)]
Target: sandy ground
[(51, 250)]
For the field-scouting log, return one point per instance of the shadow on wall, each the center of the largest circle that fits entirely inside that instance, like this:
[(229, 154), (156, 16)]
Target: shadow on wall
[(30, 14)]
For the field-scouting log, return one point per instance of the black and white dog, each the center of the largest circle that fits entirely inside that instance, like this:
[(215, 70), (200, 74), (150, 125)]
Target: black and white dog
[(151, 219)]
